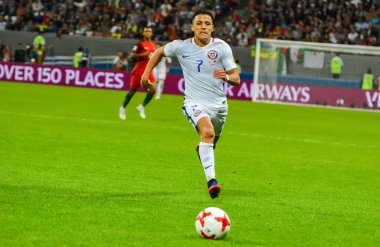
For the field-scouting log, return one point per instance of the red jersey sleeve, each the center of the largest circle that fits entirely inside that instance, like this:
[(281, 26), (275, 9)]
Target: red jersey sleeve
[(143, 47)]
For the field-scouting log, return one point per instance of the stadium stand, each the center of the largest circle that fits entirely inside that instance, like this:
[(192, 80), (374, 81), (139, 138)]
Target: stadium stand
[(339, 22), (238, 22)]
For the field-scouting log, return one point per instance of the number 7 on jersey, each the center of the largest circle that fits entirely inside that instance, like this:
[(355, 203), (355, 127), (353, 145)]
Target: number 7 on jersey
[(200, 62)]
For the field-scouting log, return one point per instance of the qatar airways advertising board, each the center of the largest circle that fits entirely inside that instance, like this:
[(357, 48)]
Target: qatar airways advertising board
[(174, 84)]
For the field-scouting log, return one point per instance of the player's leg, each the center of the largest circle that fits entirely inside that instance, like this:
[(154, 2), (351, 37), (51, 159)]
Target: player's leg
[(206, 154), (158, 79), (199, 118), (133, 86), (141, 107), (206, 146), (148, 97), (128, 97), (215, 141), (160, 87), (218, 120)]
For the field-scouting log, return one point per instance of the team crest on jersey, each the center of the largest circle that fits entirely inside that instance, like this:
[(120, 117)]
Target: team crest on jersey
[(197, 113), (212, 54)]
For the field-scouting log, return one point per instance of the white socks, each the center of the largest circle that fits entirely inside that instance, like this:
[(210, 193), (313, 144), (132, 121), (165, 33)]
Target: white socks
[(159, 89), (206, 154)]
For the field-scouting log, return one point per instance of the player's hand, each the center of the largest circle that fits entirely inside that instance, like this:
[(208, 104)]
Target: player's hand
[(219, 73), (147, 85), (145, 54)]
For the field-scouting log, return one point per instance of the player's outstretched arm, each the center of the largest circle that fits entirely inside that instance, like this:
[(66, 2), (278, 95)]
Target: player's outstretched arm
[(153, 61), (135, 55), (231, 77)]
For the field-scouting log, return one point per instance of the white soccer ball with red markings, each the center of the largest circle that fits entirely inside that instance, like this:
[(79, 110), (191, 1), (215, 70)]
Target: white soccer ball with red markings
[(212, 223)]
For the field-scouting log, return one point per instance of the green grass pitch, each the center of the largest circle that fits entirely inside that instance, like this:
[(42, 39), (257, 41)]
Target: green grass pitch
[(73, 174)]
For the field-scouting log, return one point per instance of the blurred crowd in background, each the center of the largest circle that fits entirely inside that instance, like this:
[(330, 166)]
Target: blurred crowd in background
[(237, 22)]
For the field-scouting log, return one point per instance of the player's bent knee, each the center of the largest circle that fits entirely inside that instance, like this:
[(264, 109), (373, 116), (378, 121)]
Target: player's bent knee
[(208, 134)]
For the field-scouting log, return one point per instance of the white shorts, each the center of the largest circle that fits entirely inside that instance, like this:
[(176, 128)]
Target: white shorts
[(195, 111)]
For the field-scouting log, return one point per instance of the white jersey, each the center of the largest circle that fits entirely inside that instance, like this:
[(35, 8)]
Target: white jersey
[(198, 64)]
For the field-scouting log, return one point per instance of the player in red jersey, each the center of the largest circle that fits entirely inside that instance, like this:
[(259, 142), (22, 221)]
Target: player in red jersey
[(141, 53)]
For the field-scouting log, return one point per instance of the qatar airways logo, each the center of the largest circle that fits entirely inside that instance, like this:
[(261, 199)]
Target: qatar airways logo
[(283, 93), (373, 99), (277, 92)]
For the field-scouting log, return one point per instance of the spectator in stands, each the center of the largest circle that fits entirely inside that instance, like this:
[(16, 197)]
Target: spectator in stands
[(81, 4), (373, 34), (315, 35), (336, 66), (7, 54), (368, 78), (297, 20), (165, 8), (57, 25), (352, 36), (117, 34), (120, 62), (332, 36), (3, 23), (362, 23), (83, 27), (20, 53), (242, 39), (37, 6), (116, 30)]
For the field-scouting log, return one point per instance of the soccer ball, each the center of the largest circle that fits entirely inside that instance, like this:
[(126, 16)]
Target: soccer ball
[(212, 223)]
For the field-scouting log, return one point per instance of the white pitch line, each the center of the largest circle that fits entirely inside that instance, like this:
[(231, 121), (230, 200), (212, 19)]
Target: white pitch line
[(252, 135)]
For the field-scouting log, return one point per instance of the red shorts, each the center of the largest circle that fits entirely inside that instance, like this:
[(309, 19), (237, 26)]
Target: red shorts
[(136, 78)]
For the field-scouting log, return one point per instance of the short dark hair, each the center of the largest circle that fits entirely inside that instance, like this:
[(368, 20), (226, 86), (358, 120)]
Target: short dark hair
[(203, 12)]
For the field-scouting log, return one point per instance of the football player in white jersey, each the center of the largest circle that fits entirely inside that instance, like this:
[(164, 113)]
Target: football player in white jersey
[(160, 72), (207, 63)]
